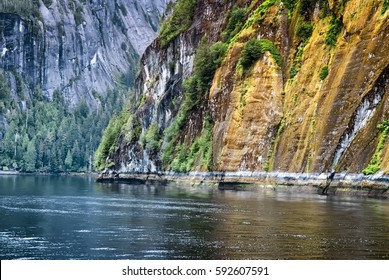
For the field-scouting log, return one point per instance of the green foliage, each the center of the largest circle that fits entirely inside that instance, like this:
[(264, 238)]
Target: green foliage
[(324, 72), (30, 156), (375, 162), (167, 153), (23, 8), (324, 9), (179, 163), (82, 110), (281, 128), (266, 166), (196, 86), (341, 6), (190, 100), (269, 46), (109, 140), (304, 30), (270, 152), (69, 160), (153, 138), (236, 19), (371, 168), (243, 98), (297, 62), (307, 7), (293, 72), (178, 22), (254, 49), (4, 87), (48, 136), (290, 4), (132, 129), (251, 52), (259, 14), (333, 32), (218, 52), (179, 157), (383, 127), (385, 7), (200, 152), (204, 65)]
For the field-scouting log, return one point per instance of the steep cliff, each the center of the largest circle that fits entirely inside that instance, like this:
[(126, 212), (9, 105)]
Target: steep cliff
[(296, 86), (80, 55), (77, 46)]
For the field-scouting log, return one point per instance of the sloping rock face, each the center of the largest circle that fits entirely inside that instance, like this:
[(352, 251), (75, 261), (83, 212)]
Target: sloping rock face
[(77, 46), (333, 123), (315, 100), (159, 92)]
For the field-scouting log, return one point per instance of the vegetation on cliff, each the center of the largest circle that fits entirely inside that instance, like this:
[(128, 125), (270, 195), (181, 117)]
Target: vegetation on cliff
[(178, 22), (376, 160), (60, 83), (385, 6), (235, 21), (180, 156), (109, 140), (21, 7), (254, 49), (234, 116), (334, 29)]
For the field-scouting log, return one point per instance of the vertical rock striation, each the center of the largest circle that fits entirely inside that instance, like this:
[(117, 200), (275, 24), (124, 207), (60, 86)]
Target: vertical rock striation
[(78, 46), (314, 100)]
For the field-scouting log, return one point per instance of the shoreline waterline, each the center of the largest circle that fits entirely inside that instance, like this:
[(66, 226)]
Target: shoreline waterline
[(376, 186)]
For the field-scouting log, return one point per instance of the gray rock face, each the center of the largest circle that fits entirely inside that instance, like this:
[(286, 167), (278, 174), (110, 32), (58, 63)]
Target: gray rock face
[(160, 85), (78, 47)]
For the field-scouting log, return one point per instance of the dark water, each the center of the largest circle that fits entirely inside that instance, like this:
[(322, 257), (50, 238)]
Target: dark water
[(76, 218)]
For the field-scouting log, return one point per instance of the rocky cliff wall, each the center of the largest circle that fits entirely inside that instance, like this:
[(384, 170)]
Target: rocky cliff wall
[(159, 92), (314, 100), (77, 46), (65, 68)]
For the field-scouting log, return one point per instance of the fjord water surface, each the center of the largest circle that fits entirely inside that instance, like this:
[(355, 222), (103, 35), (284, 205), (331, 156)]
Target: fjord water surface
[(64, 217)]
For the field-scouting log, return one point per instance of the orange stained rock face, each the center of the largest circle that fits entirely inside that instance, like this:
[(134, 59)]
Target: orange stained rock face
[(315, 112), (319, 116), (254, 112)]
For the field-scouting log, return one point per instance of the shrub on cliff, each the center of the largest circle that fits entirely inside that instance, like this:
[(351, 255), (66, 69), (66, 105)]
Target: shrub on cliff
[(385, 7), (218, 52), (376, 160), (333, 32), (235, 23), (290, 4), (178, 22), (324, 72), (153, 138), (254, 49), (179, 156), (109, 139), (304, 30)]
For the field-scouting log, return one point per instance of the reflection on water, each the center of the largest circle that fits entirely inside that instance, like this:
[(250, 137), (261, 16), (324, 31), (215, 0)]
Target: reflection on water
[(76, 218)]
